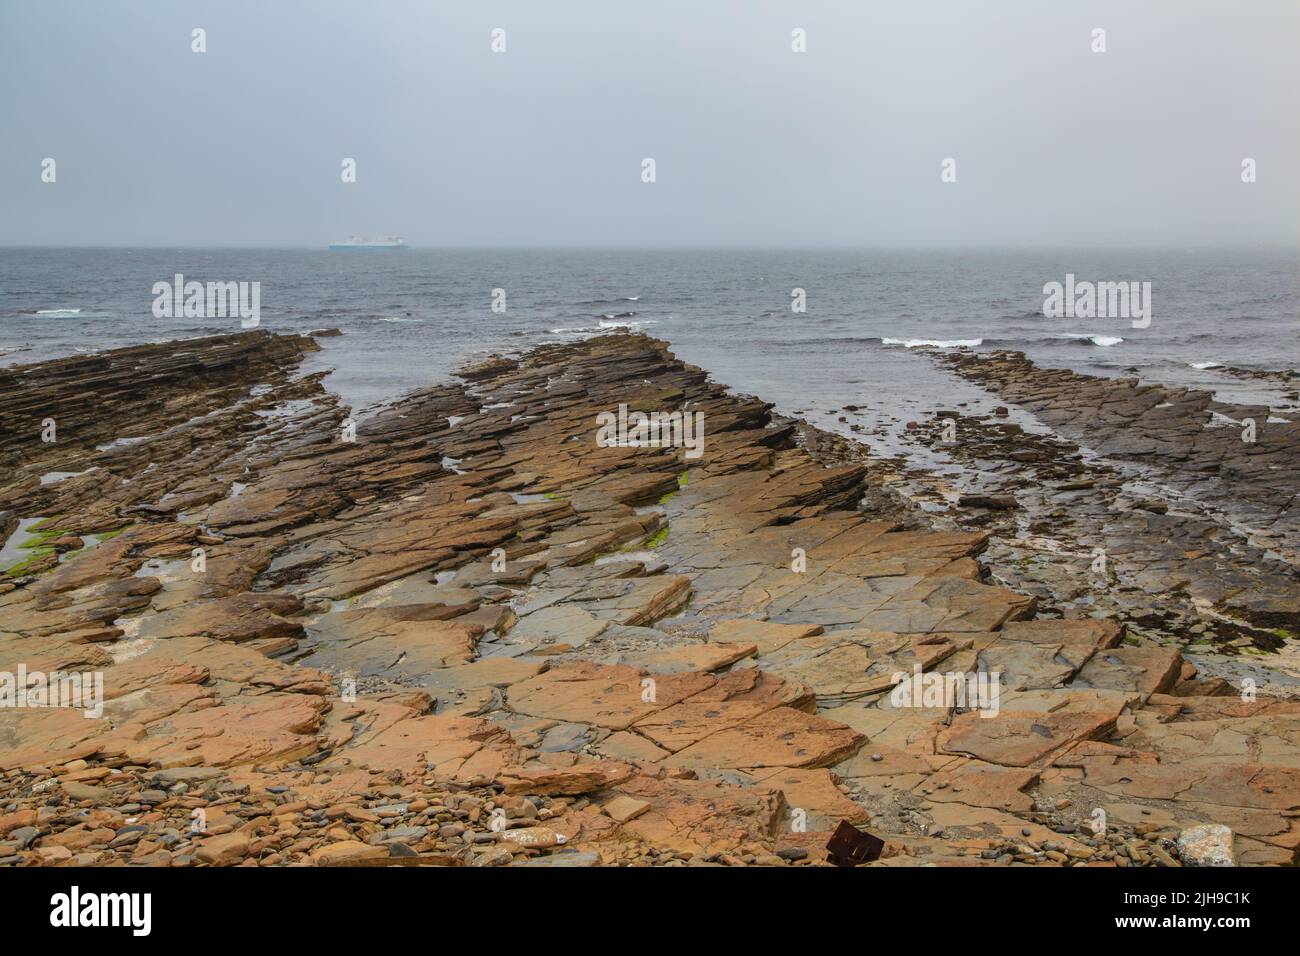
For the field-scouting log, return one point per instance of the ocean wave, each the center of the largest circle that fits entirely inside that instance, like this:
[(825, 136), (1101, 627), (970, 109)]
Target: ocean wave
[(1012, 341), (612, 300), (1204, 365), (604, 326), (1217, 337), (934, 343), (62, 314), (1105, 341)]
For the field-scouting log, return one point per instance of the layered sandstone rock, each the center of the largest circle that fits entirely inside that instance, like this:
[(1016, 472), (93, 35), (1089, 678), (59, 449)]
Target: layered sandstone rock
[(472, 636)]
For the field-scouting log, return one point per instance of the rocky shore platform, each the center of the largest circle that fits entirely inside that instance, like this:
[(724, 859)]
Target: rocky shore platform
[(458, 632)]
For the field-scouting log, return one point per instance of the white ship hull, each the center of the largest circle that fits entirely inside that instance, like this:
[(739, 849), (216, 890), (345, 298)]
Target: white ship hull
[(362, 245)]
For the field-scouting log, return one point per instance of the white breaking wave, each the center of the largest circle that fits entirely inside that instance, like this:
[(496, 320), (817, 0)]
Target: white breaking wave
[(605, 325), (934, 343), (620, 324), (58, 311), (1204, 365), (1102, 340)]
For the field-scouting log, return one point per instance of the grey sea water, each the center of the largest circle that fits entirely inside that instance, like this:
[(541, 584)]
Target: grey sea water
[(410, 316)]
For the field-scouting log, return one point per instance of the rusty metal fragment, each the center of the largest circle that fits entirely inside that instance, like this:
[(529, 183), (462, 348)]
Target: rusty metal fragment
[(849, 846)]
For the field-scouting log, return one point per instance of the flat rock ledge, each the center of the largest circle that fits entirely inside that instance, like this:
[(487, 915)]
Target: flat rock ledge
[(457, 631), (1242, 457)]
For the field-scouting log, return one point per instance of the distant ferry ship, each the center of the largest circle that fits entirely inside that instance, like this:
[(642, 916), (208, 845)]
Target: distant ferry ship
[(359, 242)]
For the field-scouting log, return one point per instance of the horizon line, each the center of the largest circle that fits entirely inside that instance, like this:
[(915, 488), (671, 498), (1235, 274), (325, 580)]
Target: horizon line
[(684, 247)]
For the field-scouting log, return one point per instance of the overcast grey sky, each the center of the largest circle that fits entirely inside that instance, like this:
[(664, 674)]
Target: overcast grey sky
[(754, 144)]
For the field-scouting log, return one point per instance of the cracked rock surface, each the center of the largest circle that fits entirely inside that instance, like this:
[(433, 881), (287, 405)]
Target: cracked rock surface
[(456, 631)]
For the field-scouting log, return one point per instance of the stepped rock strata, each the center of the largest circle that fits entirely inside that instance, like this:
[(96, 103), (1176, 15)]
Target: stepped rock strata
[(1242, 456), (472, 636)]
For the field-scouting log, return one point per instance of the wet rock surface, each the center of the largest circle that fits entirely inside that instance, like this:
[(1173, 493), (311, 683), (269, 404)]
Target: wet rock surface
[(1243, 457), (1087, 540), (457, 631)]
